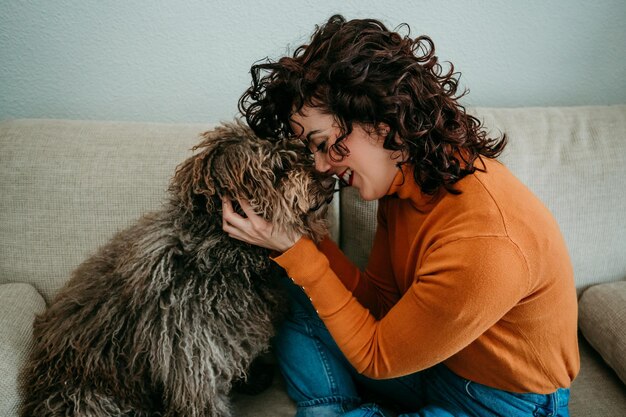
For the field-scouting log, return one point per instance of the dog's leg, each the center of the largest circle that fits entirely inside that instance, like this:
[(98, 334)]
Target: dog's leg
[(77, 403), (259, 378), (194, 376), (210, 401)]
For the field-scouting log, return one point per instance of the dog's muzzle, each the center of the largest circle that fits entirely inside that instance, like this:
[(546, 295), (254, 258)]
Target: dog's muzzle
[(327, 187)]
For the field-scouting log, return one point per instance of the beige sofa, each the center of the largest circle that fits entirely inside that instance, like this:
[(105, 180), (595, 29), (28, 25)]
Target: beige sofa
[(67, 186)]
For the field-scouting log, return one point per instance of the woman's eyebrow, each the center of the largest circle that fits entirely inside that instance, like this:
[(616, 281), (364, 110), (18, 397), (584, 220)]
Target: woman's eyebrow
[(311, 133)]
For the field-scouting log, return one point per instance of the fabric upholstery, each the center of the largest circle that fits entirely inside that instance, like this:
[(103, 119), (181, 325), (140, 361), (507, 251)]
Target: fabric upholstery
[(574, 159), (67, 187), (602, 320), (18, 305), (358, 220), (597, 391), (273, 402)]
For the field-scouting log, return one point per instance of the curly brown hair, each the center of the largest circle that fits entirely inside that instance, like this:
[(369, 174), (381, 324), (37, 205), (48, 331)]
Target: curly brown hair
[(361, 72)]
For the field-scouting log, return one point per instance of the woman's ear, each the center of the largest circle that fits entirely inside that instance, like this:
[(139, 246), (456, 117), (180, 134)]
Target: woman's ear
[(382, 129)]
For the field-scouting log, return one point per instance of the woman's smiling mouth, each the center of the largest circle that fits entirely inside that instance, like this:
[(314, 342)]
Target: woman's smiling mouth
[(347, 177)]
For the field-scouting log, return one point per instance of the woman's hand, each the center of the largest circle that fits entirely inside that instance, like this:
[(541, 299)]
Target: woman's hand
[(254, 229)]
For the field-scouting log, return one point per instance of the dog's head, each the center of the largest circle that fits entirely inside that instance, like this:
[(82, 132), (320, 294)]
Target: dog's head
[(278, 181)]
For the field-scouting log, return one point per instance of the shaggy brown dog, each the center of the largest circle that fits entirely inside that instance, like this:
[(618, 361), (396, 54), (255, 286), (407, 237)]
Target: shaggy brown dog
[(163, 319)]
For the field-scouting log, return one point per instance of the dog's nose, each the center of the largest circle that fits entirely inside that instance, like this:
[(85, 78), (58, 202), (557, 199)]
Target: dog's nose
[(327, 182)]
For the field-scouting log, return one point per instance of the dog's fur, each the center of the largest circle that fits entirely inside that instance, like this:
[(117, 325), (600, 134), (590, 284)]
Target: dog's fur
[(166, 316)]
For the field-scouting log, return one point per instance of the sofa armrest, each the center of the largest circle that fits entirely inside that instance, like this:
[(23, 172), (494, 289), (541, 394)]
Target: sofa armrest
[(19, 303), (602, 320)]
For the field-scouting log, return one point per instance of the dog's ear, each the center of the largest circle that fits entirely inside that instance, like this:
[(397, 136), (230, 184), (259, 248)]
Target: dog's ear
[(292, 202), (193, 178)]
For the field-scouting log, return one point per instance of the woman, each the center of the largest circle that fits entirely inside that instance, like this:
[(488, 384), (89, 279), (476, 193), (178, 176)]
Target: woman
[(467, 306)]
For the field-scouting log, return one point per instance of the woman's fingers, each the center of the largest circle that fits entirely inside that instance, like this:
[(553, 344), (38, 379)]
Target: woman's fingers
[(251, 222), (257, 222), (229, 214), (231, 221), (253, 228)]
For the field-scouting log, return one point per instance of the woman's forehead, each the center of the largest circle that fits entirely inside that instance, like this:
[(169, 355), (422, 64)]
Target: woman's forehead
[(311, 120)]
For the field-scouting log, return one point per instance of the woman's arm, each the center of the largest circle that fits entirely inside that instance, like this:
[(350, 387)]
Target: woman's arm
[(375, 287), (455, 298), (460, 290)]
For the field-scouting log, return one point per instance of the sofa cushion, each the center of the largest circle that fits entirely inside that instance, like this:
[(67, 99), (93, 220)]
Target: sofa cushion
[(596, 391), (272, 402), (574, 160), (602, 320), (18, 305), (357, 226)]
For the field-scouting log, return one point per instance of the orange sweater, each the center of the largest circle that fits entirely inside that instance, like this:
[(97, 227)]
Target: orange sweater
[(481, 281)]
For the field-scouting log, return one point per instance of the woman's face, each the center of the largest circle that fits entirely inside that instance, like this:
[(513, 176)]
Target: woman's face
[(368, 166)]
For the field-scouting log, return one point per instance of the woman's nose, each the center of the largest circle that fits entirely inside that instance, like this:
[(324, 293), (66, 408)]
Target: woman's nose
[(321, 162)]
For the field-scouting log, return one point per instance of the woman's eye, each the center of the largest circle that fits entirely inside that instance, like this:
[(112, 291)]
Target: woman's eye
[(321, 147), (313, 148)]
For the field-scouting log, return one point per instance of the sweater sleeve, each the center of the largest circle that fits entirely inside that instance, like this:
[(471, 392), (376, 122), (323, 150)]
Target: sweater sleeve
[(460, 290), (375, 287)]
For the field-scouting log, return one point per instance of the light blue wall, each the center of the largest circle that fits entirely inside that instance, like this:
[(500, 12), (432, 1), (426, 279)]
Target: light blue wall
[(188, 61)]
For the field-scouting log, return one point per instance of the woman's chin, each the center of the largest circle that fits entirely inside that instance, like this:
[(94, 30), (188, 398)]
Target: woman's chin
[(367, 195)]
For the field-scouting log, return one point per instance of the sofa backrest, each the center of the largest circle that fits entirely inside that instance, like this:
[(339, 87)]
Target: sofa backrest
[(68, 186), (573, 159)]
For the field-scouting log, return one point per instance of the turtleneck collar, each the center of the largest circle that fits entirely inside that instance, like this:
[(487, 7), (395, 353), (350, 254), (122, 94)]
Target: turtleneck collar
[(404, 187)]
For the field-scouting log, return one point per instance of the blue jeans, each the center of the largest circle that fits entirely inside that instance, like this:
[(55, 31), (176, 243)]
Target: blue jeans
[(324, 384)]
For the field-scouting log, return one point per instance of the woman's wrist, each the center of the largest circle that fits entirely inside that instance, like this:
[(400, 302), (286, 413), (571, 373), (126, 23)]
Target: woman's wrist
[(283, 245), (302, 272)]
